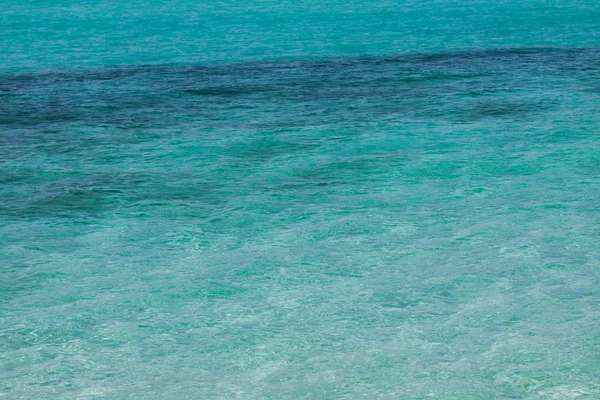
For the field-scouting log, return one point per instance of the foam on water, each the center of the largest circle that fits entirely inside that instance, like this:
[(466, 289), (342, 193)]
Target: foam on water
[(418, 226)]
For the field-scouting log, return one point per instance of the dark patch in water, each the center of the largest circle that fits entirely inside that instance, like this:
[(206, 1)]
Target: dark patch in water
[(149, 96)]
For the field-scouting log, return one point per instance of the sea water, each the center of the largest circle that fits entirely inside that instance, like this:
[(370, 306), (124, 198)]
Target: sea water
[(300, 199)]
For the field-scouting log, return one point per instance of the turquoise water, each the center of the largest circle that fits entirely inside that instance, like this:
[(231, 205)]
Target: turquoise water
[(313, 200)]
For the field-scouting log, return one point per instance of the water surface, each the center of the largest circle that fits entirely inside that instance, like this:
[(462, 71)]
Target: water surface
[(327, 212)]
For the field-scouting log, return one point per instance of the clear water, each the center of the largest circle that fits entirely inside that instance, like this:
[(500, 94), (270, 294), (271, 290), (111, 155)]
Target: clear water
[(314, 200)]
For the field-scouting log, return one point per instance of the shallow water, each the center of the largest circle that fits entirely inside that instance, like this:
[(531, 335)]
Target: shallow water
[(260, 222)]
